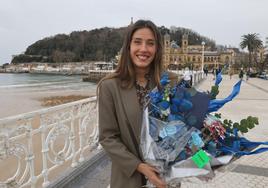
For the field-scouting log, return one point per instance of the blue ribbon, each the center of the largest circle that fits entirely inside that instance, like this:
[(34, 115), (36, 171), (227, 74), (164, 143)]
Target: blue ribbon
[(248, 144), (243, 143), (218, 79), (227, 149), (215, 105)]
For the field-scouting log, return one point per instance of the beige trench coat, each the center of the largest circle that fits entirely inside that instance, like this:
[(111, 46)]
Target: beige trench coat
[(120, 119)]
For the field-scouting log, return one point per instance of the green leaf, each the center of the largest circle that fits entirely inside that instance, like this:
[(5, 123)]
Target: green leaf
[(255, 120), (243, 129), (214, 92), (251, 125), (218, 115), (236, 125), (243, 121)]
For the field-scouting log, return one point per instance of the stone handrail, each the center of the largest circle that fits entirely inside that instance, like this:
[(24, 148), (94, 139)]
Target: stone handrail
[(35, 145)]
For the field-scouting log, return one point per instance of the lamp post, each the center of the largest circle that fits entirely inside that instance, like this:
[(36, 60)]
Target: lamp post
[(203, 48)]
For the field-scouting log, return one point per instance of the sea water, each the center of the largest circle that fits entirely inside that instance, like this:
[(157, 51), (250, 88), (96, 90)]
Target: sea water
[(22, 93), (45, 82)]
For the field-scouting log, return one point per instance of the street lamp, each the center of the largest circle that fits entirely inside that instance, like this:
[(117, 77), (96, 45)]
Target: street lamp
[(203, 48)]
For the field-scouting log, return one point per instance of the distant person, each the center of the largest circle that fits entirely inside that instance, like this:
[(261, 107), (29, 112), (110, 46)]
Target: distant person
[(187, 78), (214, 73), (247, 74), (218, 71), (206, 71), (241, 73)]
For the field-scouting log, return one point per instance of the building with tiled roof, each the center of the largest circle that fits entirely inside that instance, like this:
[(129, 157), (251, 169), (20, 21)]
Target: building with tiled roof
[(177, 57)]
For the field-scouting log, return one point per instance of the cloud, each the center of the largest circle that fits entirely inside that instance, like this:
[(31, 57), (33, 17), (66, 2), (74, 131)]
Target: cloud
[(26, 21)]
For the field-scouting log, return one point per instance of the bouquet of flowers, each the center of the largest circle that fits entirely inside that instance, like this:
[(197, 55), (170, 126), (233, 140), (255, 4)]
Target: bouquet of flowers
[(182, 138)]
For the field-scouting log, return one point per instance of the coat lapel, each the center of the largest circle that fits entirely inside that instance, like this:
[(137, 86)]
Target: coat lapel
[(132, 110)]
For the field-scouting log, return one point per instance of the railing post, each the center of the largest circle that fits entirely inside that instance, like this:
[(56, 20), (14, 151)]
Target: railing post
[(45, 150), (82, 134), (30, 157), (72, 139)]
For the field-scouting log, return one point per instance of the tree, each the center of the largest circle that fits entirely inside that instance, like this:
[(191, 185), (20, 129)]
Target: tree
[(252, 42), (101, 44)]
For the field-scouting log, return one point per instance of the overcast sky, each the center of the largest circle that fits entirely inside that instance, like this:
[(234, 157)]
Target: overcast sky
[(22, 22)]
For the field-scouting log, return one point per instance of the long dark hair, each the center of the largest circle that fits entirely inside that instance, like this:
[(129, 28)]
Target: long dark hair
[(125, 70)]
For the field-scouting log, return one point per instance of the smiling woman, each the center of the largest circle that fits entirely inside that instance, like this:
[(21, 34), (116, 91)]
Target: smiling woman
[(142, 48), (121, 98)]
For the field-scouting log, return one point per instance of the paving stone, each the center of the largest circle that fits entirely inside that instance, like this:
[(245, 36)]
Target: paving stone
[(97, 178), (247, 171)]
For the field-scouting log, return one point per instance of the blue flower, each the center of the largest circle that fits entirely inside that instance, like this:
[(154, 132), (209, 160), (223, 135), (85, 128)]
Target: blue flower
[(164, 79), (164, 105), (174, 109), (176, 101), (175, 117), (155, 97)]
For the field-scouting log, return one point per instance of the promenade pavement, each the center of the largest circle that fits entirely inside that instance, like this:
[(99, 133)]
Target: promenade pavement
[(245, 172)]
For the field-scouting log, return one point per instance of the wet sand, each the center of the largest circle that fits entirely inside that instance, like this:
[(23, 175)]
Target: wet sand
[(14, 102)]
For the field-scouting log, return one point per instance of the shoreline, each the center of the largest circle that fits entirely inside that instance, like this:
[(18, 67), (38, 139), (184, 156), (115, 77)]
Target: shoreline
[(15, 103), (58, 100)]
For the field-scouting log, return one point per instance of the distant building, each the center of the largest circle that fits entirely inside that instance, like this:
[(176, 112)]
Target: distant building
[(176, 57), (261, 55), (173, 29)]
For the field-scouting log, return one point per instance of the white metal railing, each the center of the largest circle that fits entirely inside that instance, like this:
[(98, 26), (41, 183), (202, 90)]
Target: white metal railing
[(33, 145), (197, 76)]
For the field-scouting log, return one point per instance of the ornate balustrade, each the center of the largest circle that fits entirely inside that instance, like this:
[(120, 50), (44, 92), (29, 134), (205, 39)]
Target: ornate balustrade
[(197, 76), (37, 147)]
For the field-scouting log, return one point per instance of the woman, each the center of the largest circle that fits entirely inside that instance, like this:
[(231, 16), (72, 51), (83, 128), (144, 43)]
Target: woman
[(121, 99)]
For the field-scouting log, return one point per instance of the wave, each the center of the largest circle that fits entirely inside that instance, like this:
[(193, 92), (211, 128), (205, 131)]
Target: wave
[(35, 84)]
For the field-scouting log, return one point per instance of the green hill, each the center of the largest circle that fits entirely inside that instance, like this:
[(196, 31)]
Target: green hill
[(94, 45)]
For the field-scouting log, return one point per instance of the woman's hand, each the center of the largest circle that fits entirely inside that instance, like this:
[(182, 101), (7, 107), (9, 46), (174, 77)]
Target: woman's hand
[(152, 174)]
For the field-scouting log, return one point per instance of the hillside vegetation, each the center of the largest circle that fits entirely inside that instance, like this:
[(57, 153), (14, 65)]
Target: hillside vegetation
[(95, 45)]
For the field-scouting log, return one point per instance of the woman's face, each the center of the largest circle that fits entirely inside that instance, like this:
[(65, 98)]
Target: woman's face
[(142, 48)]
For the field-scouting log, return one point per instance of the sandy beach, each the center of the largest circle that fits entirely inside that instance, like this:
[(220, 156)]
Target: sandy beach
[(22, 93), (14, 103)]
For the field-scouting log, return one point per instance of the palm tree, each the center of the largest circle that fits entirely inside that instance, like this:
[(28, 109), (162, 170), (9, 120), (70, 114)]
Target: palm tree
[(252, 42)]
